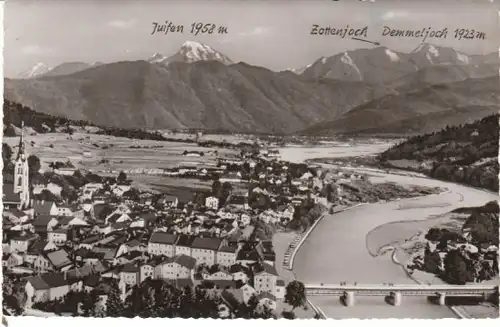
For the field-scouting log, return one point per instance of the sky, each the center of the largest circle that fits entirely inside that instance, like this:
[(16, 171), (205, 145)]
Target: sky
[(274, 34)]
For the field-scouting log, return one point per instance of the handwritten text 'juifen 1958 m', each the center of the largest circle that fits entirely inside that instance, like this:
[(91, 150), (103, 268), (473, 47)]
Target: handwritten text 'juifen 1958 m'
[(196, 28)]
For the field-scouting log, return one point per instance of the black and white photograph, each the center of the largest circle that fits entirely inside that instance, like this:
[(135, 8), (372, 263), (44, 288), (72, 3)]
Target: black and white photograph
[(251, 159)]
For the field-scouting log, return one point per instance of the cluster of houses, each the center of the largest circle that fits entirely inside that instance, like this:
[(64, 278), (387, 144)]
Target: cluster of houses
[(482, 258), (110, 233)]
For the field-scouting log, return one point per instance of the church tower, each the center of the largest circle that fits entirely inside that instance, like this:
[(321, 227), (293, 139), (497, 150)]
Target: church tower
[(21, 172)]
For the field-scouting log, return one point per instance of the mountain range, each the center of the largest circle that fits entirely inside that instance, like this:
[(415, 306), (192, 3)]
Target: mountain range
[(67, 68), (199, 87), (382, 65), (420, 111)]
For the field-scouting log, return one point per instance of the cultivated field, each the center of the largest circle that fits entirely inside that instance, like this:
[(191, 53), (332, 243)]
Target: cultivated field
[(86, 151), (108, 155)]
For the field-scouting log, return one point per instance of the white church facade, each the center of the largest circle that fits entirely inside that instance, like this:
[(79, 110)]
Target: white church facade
[(18, 193)]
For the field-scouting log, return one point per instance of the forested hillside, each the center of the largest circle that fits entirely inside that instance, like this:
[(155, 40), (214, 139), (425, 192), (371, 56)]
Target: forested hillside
[(465, 154), (40, 122)]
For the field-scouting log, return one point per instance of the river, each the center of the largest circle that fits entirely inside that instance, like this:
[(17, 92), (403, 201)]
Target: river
[(336, 250)]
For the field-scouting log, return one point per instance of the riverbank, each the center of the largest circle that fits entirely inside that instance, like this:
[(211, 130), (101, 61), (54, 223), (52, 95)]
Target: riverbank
[(284, 265), (336, 250)]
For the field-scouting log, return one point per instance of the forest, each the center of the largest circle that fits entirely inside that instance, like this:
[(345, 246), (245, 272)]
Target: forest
[(464, 154)]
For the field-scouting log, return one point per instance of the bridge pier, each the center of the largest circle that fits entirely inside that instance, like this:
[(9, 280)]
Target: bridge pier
[(396, 296), (348, 298), (442, 298)]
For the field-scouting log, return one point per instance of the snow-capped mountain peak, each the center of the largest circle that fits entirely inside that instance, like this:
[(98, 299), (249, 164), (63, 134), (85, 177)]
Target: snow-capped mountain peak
[(156, 57), (300, 70), (195, 51), (392, 55), (463, 57), (38, 69), (192, 51)]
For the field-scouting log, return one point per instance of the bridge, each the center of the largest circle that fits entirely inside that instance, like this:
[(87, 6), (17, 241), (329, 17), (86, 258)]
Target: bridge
[(394, 293)]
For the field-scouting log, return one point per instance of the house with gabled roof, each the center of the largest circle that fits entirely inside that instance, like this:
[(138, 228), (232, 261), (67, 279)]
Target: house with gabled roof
[(204, 249), (217, 273), (177, 267), (265, 278), (41, 207), (233, 298), (212, 202), (57, 260), (248, 256), (44, 223), (58, 236), (9, 198), (131, 256), (266, 299), (46, 287), (226, 255), (145, 218), (147, 268), (280, 289), (14, 260), (247, 291), (16, 216), (162, 243), (108, 252), (22, 242), (183, 245), (135, 245), (71, 221), (239, 272), (65, 210), (129, 274), (239, 202), (168, 201), (36, 248)]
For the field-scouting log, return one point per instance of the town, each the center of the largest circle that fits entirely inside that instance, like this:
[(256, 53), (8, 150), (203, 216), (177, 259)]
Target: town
[(107, 239)]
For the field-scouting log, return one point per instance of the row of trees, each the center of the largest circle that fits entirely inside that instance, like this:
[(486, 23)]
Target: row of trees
[(306, 215), (159, 299)]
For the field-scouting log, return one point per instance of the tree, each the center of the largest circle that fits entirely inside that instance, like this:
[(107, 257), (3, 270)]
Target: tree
[(288, 315), (33, 165), (93, 178), (6, 152), (8, 166), (216, 188), (483, 227), (225, 192), (89, 300), (114, 304), (46, 195), (295, 294), (122, 177), (69, 194), (455, 268), (432, 262), (132, 194), (434, 234)]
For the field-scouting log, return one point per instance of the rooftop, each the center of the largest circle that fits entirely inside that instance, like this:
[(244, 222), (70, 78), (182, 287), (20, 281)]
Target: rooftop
[(163, 238), (47, 281), (209, 243)]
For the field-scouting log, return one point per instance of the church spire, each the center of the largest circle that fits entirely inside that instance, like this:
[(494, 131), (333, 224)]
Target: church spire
[(21, 152)]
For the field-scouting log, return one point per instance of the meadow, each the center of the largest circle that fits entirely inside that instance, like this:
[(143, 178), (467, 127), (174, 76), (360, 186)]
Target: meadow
[(108, 155)]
